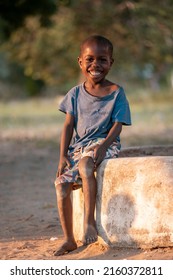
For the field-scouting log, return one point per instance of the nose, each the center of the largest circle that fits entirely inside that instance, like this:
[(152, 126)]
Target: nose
[(95, 62)]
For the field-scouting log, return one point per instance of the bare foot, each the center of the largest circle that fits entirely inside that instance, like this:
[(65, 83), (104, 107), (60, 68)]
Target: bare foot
[(90, 235), (65, 248)]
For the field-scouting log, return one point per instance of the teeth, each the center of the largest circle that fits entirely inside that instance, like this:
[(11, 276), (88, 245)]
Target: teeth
[(93, 73)]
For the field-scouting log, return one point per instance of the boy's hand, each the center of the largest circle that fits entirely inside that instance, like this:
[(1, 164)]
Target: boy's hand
[(99, 154), (63, 162)]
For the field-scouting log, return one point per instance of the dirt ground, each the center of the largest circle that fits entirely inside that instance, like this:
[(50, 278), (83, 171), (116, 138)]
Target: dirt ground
[(29, 224)]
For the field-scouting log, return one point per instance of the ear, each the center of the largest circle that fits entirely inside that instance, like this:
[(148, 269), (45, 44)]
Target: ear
[(112, 61), (80, 61)]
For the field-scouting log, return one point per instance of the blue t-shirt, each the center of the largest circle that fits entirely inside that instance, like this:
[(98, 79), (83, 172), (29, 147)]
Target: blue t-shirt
[(94, 116)]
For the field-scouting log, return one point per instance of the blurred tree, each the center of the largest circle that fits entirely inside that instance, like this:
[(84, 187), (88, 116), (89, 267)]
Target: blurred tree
[(140, 30), (13, 13)]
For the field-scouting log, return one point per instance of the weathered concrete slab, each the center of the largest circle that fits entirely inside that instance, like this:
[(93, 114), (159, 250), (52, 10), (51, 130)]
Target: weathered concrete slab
[(134, 202)]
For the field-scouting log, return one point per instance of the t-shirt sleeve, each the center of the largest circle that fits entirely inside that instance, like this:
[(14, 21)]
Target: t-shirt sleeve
[(67, 104), (121, 112)]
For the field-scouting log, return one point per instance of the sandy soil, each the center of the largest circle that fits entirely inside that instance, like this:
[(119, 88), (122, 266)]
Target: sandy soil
[(29, 224)]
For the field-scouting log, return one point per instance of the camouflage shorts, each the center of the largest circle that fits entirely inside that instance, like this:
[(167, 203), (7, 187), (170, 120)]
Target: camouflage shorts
[(71, 174)]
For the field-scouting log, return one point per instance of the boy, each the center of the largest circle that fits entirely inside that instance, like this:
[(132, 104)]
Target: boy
[(95, 112)]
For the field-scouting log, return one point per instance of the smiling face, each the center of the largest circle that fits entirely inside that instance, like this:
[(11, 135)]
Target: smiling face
[(95, 61)]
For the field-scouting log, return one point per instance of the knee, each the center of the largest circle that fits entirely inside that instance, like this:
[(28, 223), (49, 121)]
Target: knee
[(86, 167), (62, 191)]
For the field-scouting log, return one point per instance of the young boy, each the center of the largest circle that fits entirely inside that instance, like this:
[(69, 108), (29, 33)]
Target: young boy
[(95, 112)]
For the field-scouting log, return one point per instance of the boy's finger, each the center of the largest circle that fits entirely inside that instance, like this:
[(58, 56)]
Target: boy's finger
[(98, 160), (68, 163), (60, 171)]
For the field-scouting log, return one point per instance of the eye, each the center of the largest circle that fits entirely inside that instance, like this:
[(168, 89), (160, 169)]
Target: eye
[(89, 59), (103, 60)]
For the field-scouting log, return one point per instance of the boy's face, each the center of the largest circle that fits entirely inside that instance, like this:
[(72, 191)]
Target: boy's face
[(95, 62)]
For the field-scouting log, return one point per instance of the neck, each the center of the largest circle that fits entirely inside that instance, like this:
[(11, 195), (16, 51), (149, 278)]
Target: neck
[(100, 89), (96, 85)]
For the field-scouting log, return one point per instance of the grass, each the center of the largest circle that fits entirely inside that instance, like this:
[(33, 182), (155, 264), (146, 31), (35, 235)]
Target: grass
[(152, 120), (29, 112), (40, 119), (34, 118)]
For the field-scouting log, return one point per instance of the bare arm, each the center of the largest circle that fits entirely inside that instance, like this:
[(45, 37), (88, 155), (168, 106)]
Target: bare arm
[(113, 133), (66, 137), (100, 150)]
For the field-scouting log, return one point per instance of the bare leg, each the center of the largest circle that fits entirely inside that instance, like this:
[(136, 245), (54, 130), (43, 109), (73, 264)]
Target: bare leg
[(86, 169), (64, 203)]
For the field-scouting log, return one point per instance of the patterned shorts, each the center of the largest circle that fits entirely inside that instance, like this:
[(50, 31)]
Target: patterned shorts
[(71, 174)]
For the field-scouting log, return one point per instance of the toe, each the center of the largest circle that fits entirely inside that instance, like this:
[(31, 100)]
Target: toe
[(66, 248)]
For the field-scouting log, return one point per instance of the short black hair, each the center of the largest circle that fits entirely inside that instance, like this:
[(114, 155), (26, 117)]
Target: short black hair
[(98, 39)]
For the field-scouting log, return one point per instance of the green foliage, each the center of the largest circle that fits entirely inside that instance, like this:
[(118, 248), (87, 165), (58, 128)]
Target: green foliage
[(13, 13), (141, 32), (46, 53)]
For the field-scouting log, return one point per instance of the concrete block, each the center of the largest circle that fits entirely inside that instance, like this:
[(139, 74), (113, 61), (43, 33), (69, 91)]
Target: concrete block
[(134, 205)]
